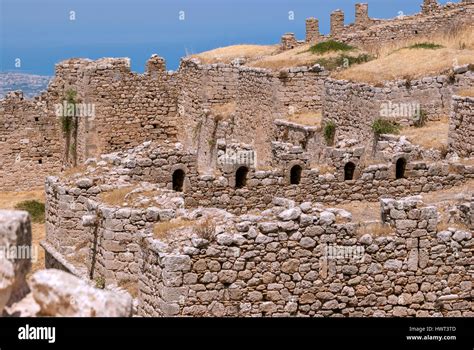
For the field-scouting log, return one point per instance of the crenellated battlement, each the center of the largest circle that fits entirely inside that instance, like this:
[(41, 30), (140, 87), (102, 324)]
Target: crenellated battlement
[(205, 191), (365, 30)]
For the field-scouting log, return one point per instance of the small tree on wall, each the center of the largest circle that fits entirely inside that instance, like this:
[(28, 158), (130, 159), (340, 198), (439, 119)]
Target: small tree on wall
[(70, 126), (329, 132), (382, 126)]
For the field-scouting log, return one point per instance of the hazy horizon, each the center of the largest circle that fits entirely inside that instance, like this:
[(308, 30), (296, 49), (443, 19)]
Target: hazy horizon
[(40, 33)]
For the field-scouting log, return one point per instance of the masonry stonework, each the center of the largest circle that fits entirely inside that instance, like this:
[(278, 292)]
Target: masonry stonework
[(461, 127), (198, 193)]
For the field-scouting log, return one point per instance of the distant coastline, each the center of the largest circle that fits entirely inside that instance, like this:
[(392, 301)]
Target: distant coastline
[(30, 84)]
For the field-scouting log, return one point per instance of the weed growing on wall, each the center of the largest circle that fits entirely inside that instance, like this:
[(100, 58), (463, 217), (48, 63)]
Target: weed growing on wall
[(329, 132)]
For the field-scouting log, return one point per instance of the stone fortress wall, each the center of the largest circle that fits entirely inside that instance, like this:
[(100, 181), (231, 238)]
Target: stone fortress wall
[(128, 108), (157, 164), (291, 266), (461, 127), (282, 262), (89, 237), (253, 98), (353, 106), (29, 144), (131, 108), (366, 31), (168, 131)]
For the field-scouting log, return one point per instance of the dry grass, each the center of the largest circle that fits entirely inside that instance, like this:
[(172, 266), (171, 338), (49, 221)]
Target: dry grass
[(130, 286), (162, 229), (449, 194), (433, 135), (8, 200), (362, 211), (375, 229), (116, 196), (269, 57), (397, 61), (443, 225), (205, 228), (308, 118), (466, 92), (74, 171), (122, 195), (297, 57), (229, 53)]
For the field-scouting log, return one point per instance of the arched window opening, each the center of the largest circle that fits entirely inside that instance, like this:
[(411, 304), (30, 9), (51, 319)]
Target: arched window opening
[(295, 175), (241, 177), (400, 168), (178, 180), (349, 169)]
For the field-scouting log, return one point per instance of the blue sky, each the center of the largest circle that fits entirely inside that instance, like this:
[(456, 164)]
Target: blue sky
[(40, 33)]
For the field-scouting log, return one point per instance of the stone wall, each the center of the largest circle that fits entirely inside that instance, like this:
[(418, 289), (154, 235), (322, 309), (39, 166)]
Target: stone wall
[(353, 106), (48, 292), (288, 41), (144, 103), (127, 108), (312, 30), (239, 103), (15, 235), (240, 272), (69, 200), (367, 32), (307, 262), (29, 142), (466, 211), (258, 104), (65, 234), (202, 88), (461, 126), (370, 183), (156, 164)]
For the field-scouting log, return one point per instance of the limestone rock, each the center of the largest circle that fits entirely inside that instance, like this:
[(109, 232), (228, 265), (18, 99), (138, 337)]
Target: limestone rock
[(61, 294), (15, 230), (290, 214), (7, 278)]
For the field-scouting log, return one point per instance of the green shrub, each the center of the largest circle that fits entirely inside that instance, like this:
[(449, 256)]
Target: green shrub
[(330, 46), (100, 282), (34, 208), (283, 75), (71, 96), (67, 121), (333, 63), (425, 45), (329, 132), (383, 126)]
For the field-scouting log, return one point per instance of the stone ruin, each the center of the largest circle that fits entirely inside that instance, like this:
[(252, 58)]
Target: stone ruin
[(285, 259), (432, 19), (192, 192), (48, 292)]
